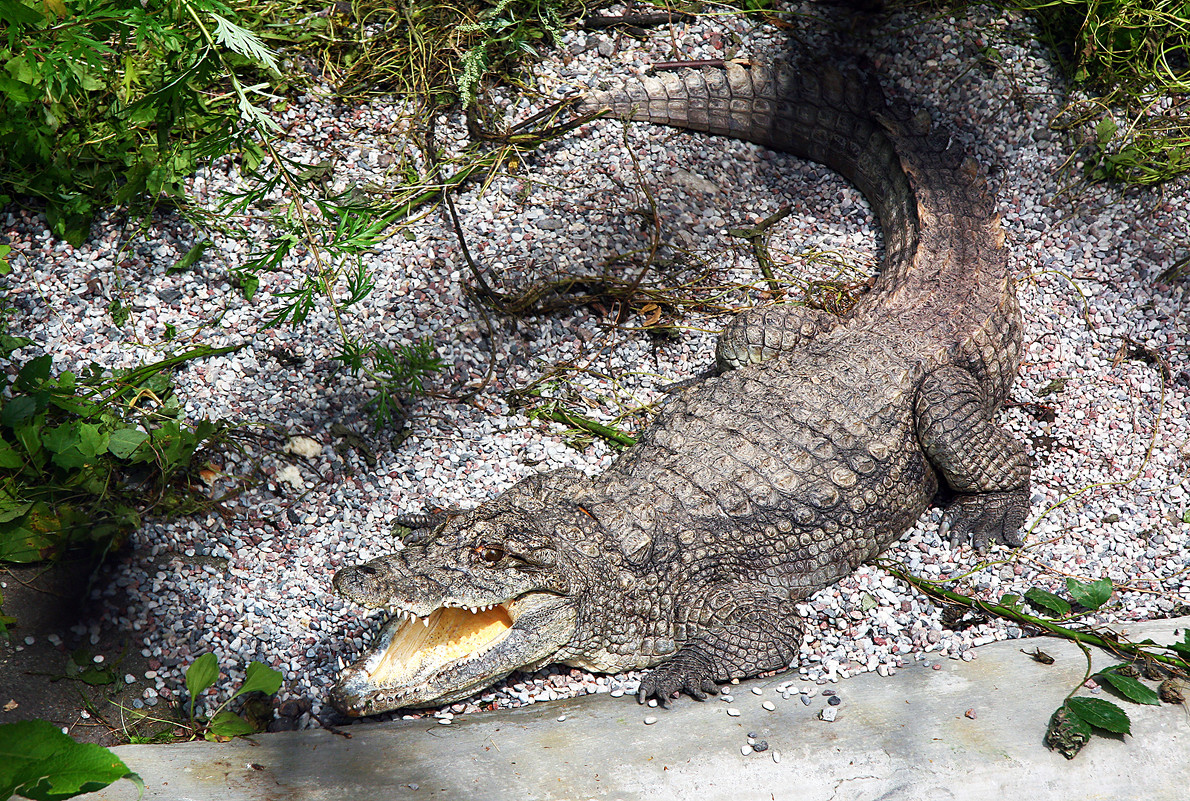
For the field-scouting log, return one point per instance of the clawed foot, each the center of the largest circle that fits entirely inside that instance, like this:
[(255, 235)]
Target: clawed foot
[(685, 673), (986, 517)]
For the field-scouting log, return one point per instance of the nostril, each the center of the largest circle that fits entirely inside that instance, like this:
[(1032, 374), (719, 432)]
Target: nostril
[(367, 570)]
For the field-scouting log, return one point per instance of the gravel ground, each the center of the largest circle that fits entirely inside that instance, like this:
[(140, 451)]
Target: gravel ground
[(1110, 447)]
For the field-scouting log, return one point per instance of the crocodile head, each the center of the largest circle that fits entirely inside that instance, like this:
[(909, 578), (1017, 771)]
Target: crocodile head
[(492, 593)]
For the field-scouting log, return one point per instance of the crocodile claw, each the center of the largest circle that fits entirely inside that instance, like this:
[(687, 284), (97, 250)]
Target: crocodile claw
[(986, 517), (686, 674)]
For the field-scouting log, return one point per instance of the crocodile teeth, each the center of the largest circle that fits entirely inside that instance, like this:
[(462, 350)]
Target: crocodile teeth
[(425, 621)]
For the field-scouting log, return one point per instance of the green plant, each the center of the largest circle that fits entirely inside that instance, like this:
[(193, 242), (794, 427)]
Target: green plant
[(1073, 723), (223, 724), (434, 52), (6, 621), (82, 457), (110, 102), (1133, 53), (397, 372), (39, 762), (501, 34)]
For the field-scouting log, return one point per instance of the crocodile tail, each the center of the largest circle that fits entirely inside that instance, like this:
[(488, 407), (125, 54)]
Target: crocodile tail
[(837, 118), (945, 267)]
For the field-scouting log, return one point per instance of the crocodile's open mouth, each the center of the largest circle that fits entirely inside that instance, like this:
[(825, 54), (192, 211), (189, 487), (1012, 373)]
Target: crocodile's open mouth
[(446, 635), (452, 652)]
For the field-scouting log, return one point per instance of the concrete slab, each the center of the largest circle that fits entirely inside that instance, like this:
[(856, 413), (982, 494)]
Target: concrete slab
[(964, 731)]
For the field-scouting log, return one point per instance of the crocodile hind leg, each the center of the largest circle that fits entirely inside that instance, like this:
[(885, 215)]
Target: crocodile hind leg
[(757, 335), (764, 636), (987, 467)]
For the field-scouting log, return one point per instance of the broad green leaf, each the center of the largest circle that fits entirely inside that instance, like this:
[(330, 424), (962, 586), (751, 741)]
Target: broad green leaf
[(1100, 714), (92, 440), (19, 544), (1010, 600), (1092, 594), (97, 676), (124, 441), (260, 678), (17, 410), (1183, 648), (29, 435), (1106, 129), (11, 507), (61, 438), (17, 91), (10, 458), (17, 13), (201, 676), (70, 458), (35, 372), (9, 343), (191, 258), (41, 763), (1047, 600), (1130, 688), (229, 724)]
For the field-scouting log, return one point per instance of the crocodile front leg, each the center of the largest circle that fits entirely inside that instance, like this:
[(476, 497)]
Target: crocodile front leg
[(984, 464), (765, 635), (757, 335)]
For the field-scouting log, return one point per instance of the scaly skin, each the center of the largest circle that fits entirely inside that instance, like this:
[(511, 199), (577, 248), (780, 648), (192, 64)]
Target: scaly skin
[(819, 443)]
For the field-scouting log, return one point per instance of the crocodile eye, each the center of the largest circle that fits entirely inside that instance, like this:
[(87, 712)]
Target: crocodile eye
[(490, 555)]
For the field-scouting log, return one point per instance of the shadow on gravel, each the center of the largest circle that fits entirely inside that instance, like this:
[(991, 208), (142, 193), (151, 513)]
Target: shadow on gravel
[(48, 668)]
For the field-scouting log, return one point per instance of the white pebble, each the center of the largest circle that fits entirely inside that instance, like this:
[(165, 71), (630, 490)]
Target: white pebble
[(650, 720), (745, 749), (733, 712), (769, 705)]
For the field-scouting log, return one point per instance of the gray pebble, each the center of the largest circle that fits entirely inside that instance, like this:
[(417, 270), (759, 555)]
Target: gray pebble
[(835, 700), (760, 746)]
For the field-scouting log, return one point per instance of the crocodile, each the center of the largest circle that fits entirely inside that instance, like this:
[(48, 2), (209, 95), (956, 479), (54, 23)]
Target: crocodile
[(816, 443)]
